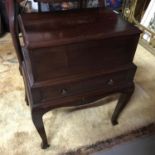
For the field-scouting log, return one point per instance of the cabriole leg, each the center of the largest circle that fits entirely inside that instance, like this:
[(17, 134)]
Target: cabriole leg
[(123, 100), (38, 122)]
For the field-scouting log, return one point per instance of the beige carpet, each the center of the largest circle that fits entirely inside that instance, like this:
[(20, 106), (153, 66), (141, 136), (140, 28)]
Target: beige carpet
[(69, 130)]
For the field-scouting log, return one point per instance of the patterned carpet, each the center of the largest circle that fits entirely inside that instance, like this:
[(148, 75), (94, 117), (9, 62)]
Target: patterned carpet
[(72, 131)]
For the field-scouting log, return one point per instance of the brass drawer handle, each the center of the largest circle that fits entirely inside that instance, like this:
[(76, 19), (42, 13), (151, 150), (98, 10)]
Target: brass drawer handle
[(110, 82), (64, 91)]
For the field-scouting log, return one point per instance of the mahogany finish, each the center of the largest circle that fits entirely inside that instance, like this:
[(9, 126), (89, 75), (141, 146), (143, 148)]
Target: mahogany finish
[(74, 57)]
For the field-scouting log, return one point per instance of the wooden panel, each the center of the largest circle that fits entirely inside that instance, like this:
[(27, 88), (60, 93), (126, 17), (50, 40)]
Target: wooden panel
[(85, 57)]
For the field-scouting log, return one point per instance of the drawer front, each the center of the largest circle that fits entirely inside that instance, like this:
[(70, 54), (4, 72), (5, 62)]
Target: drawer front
[(82, 87)]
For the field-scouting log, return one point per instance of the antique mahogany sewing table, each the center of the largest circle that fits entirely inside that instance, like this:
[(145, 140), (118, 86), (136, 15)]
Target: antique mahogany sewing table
[(73, 57)]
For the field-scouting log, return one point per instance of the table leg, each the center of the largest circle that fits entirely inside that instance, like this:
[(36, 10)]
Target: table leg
[(123, 100), (38, 122)]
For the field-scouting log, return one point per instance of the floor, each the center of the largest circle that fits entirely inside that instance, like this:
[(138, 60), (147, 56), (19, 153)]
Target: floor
[(140, 146)]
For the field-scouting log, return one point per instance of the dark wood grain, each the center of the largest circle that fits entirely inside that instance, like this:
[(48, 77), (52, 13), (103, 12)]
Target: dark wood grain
[(73, 58), (91, 22)]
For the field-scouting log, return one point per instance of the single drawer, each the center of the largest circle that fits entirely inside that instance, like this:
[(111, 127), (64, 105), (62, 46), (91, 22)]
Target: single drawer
[(108, 81)]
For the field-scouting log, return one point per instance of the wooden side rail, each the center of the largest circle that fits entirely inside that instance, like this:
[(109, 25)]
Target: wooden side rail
[(12, 8)]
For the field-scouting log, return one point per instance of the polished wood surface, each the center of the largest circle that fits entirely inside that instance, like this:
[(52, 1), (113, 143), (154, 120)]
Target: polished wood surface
[(91, 22), (75, 57)]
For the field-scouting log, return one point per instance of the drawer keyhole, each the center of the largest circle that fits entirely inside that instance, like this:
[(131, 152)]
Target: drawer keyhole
[(110, 82), (82, 101), (64, 91)]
